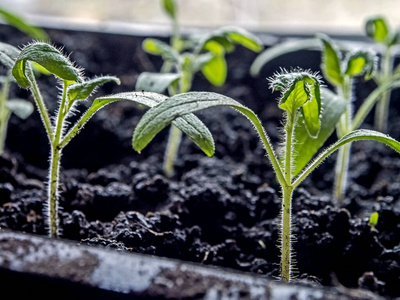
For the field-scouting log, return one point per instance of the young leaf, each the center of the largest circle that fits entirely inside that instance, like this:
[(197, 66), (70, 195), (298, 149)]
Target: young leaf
[(170, 7), (295, 96), (19, 23), (192, 126), (331, 61), (332, 107), (312, 111), (215, 70), (377, 29), (356, 135), (373, 219), (155, 82), (360, 62), (80, 91), (157, 47), (180, 105), (8, 55), (228, 36), (21, 108), (244, 38), (48, 57)]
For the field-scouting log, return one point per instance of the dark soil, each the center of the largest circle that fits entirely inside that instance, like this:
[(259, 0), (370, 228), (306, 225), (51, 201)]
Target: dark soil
[(217, 211)]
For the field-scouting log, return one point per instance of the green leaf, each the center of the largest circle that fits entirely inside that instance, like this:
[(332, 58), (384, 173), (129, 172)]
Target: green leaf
[(192, 126), (281, 49), (312, 111), (155, 82), (157, 47), (170, 7), (21, 108), (377, 29), (331, 61), (214, 47), (227, 36), (373, 219), (19, 23), (360, 62), (356, 135), (215, 70), (242, 37), (48, 57), (8, 55), (81, 91), (295, 96), (181, 105), (332, 107)]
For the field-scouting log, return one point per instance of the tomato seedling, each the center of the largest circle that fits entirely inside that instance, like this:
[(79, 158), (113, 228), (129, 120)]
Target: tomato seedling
[(301, 103)]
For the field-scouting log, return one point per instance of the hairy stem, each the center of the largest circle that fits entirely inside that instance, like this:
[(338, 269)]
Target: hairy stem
[(342, 160), (382, 108), (44, 114), (341, 171), (55, 167), (286, 241), (286, 211), (4, 114), (174, 140)]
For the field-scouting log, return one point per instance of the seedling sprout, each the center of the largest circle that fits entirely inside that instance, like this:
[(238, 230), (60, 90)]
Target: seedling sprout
[(300, 101)]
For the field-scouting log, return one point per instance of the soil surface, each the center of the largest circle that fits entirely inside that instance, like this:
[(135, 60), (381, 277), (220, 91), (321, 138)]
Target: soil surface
[(222, 211)]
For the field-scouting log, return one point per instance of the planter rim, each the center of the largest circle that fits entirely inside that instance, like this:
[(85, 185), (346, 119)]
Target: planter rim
[(121, 273)]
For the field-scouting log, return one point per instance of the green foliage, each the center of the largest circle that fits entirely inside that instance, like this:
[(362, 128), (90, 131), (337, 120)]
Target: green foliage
[(373, 220), (297, 89), (49, 58), (378, 29), (332, 107), (185, 57), (331, 58)]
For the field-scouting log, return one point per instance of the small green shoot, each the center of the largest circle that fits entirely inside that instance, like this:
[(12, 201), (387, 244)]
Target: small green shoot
[(373, 221), (301, 103), (183, 58)]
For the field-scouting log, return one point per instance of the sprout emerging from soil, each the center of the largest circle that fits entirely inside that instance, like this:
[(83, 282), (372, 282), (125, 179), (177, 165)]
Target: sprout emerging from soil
[(302, 100)]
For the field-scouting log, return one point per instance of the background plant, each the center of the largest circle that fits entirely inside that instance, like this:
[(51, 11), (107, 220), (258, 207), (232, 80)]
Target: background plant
[(20, 107), (301, 104), (183, 58), (378, 29)]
